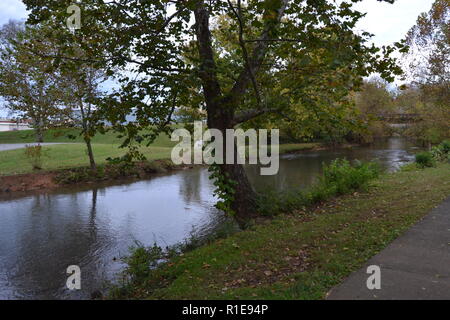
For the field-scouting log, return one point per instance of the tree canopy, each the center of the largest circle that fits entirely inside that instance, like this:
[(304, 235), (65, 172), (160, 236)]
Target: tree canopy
[(429, 73), (31, 87)]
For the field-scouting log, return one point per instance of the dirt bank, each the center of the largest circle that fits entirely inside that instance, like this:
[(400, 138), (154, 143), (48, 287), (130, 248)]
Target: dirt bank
[(48, 180), (28, 182)]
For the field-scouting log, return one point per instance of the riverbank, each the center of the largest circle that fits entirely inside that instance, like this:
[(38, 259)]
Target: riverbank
[(63, 165), (48, 180), (300, 255)]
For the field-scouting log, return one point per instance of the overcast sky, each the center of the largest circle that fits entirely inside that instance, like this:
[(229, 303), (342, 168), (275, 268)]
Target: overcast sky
[(388, 22)]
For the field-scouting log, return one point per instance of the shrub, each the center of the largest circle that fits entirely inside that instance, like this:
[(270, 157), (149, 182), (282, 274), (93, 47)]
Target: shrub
[(424, 159), (82, 174), (121, 168), (142, 261), (445, 146), (34, 156), (342, 177), (154, 167), (441, 152), (73, 176)]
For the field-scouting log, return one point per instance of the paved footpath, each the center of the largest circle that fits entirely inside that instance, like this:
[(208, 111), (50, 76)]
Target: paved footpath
[(415, 266), (13, 146)]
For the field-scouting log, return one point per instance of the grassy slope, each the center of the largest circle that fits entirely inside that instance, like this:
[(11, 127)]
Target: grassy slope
[(302, 255), (74, 154)]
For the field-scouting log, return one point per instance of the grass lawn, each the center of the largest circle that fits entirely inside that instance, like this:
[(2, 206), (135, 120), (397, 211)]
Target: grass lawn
[(61, 135), (74, 153), (304, 254), (69, 156)]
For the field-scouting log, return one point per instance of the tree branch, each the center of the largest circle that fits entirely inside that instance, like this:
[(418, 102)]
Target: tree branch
[(258, 55), (208, 73), (253, 113), (238, 15)]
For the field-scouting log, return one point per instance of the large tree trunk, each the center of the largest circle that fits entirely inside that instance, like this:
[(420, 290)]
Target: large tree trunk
[(221, 108), (244, 204)]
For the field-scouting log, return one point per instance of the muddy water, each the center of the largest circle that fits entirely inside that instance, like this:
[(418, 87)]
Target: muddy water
[(41, 235)]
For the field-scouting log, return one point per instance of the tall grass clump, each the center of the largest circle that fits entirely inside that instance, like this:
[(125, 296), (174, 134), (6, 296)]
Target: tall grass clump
[(339, 177), (34, 156), (425, 159)]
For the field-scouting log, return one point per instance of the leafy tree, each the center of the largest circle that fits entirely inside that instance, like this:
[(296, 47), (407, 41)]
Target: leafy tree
[(429, 40), (374, 98), (252, 75), (81, 78), (373, 102), (429, 72), (29, 86), (82, 87)]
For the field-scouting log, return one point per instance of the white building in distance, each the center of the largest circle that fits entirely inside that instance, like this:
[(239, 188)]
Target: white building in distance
[(13, 125)]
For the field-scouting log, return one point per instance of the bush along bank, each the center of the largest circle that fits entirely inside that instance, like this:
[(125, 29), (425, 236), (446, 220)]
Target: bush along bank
[(439, 153), (113, 169)]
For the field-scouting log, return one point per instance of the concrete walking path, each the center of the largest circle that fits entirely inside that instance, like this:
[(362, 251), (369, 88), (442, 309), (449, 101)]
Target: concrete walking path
[(415, 266)]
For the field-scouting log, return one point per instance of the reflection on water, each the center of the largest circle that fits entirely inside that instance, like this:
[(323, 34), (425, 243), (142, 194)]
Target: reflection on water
[(41, 235)]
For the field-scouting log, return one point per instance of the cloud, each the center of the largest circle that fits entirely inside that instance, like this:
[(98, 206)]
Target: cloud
[(12, 9), (390, 22)]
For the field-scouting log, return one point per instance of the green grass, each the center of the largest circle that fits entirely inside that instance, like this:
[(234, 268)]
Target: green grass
[(74, 154), (70, 155), (300, 255), (62, 136)]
